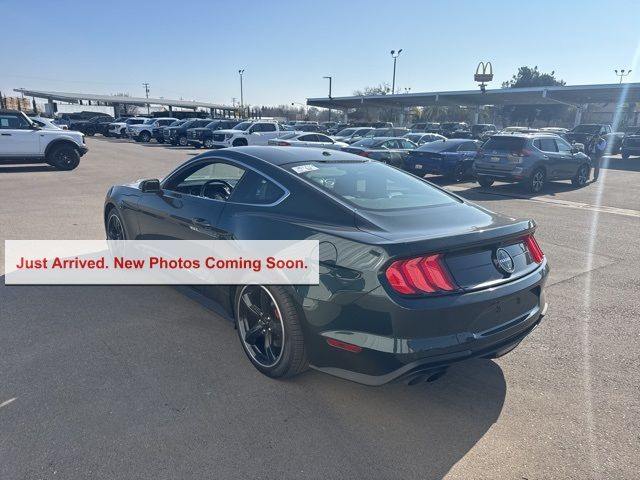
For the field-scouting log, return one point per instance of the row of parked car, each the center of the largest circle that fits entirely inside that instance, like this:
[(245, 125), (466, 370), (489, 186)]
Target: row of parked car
[(527, 156)]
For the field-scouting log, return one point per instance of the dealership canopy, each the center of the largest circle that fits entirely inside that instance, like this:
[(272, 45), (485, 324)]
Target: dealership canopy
[(575, 95), (121, 100)]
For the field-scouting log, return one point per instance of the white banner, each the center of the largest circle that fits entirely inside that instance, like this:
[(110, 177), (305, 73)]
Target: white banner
[(160, 262)]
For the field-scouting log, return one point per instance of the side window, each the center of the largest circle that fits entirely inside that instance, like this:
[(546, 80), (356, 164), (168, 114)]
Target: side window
[(468, 147), (323, 138), (547, 145), (192, 180), (308, 138), (268, 127), (256, 190), (389, 144), (563, 147), (12, 121), (407, 145)]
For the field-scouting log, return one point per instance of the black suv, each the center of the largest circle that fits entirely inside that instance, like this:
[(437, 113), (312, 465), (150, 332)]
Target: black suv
[(177, 135), (203, 136), (92, 126), (530, 159), (158, 132)]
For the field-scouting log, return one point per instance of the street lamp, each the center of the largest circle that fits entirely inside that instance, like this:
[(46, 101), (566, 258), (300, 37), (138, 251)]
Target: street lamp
[(241, 73), (622, 74), (330, 98), (395, 56)]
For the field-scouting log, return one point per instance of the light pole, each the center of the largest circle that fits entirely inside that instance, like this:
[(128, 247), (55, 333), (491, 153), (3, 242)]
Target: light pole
[(395, 56), (146, 91), (330, 98), (241, 73), (622, 74)]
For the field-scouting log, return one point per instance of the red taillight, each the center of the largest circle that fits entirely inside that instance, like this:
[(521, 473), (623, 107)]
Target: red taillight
[(363, 153), (283, 144), (521, 153), (349, 347), (420, 275), (534, 249)]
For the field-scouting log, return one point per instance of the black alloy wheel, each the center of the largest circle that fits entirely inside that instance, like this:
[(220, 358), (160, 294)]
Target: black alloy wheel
[(182, 140), (115, 228), (64, 157), (269, 330)]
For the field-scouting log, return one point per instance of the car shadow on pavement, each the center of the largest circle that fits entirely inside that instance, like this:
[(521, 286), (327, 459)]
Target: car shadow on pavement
[(147, 374)]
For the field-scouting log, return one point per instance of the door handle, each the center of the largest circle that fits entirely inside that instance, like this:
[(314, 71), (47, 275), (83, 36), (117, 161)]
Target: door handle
[(5, 134), (201, 222)]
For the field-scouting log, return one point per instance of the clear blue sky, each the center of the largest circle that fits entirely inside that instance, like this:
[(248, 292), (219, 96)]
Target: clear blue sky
[(194, 48)]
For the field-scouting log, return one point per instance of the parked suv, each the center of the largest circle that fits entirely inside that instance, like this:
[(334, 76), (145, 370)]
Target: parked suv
[(531, 159), (585, 132), (203, 136), (143, 132), (23, 141), (631, 144), (177, 135), (90, 127)]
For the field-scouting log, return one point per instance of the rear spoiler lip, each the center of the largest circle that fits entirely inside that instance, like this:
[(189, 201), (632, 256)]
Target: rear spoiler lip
[(502, 234)]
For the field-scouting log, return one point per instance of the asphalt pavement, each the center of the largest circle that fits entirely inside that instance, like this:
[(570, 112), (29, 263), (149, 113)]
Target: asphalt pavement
[(148, 383)]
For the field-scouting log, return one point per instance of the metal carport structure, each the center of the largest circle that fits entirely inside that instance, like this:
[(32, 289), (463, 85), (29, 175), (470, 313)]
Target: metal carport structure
[(115, 100), (574, 95)]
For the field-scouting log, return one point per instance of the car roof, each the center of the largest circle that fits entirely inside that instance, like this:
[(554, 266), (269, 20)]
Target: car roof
[(282, 156)]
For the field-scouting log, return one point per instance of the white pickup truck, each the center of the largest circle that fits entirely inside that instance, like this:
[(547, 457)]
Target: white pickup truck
[(24, 141), (257, 132)]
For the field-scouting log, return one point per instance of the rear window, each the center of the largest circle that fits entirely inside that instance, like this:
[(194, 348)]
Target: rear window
[(371, 185), (442, 146), (504, 143)]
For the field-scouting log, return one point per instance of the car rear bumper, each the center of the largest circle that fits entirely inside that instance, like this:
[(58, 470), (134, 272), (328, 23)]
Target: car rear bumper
[(483, 324), (516, 174)]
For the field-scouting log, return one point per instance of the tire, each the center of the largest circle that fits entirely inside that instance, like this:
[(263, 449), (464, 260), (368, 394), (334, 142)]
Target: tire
[(535, 182), (276, 312), (182, 140), (123, 133), (240, 142), (114, 225), (159, 140), (63, 157), (208, 143), (144, 137), (582, 176), (90, 132), (458, 174), (197, 145), (625, 156), (485, 182)]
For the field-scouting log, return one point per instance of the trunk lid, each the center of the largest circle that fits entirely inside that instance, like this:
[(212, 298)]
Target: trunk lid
[(467, 235)]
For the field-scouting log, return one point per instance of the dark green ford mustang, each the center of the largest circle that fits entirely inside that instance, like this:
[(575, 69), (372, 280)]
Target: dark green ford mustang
[(412, 278)]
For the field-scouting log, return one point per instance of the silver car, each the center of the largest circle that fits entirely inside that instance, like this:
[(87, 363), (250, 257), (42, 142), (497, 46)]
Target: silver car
[(306, 139)]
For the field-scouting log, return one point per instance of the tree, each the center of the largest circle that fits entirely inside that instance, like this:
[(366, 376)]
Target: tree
[(532, 77)]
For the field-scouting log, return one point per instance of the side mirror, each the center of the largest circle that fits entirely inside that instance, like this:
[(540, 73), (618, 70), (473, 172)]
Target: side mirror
[(35, 126), (150, 186), (574, 150)]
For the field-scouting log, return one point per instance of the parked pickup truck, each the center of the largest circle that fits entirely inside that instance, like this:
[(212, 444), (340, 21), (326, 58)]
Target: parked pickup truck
[(203, 136), (143, 132), (248, 133), (24, 141)]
